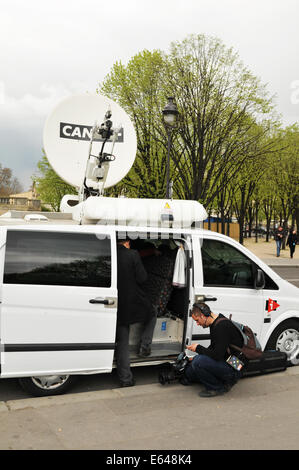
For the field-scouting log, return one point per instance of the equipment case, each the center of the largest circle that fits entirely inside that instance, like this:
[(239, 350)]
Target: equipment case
[(271, 361)]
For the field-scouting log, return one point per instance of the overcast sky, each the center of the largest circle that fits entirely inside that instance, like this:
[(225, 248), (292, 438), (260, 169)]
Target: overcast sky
[(50, 50)]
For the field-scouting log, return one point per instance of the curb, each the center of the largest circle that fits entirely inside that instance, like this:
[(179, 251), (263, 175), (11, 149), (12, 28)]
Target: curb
[(281, 265), (71, 398), (281, 262)]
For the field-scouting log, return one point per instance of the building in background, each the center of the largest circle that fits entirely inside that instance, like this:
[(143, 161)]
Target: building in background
[(27, 201)]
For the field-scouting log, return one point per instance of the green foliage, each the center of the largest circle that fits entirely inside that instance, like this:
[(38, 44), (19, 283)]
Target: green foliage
[(137, 88), (50, 187), (284, 172), (219, 102)]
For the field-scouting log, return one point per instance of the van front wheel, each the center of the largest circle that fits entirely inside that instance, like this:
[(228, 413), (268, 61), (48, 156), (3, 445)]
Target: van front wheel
[(47, 385), (285, 337)]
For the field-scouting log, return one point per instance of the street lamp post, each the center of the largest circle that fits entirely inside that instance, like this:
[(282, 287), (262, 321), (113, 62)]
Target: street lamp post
[(170, 115)]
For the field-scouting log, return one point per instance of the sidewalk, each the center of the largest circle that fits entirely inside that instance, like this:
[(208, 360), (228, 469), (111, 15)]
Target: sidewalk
[(267, 252), (159, 417)]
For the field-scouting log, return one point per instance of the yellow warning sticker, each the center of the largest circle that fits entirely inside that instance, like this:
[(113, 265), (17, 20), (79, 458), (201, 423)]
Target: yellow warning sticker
[(167, 206)]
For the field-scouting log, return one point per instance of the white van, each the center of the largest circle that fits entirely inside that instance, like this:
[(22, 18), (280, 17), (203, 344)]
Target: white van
[(59, 298)]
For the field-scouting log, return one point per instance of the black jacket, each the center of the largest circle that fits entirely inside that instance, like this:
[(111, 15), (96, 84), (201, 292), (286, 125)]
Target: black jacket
[(133, 303), (292, 239), (278, 235), (222, 335)]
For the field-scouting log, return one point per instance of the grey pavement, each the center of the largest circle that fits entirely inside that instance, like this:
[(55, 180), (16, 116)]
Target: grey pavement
[(258, 413)]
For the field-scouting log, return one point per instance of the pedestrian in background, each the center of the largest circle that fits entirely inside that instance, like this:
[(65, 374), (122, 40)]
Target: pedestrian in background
[(292, 241), (278, 239)]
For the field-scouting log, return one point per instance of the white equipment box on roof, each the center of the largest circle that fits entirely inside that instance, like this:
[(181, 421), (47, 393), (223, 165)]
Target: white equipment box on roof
[(146, 212)]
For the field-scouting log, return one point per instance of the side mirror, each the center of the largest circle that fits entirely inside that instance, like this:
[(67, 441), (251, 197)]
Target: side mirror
[(259, 282)]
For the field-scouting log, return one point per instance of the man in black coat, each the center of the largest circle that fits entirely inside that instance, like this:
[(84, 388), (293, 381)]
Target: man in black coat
[(133, 306)]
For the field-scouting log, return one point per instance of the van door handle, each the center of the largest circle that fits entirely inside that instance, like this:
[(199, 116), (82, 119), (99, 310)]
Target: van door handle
[(205, 298), (210, 298), (99, 300)]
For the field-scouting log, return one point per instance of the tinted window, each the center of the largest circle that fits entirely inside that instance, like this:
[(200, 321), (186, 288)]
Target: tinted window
[(57, 258), (224, 265)]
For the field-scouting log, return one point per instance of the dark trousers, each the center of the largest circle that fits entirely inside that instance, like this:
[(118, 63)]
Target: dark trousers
[(148, 331), (278, 247), (122, 351), (123, 354), (213, 374), (292, 250)]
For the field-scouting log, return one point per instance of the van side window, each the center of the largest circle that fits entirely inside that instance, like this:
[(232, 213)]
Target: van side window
[(57, 258), (224, 265)]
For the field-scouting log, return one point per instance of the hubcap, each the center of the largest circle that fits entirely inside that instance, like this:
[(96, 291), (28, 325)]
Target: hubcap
[(50, 382), (288, 341)]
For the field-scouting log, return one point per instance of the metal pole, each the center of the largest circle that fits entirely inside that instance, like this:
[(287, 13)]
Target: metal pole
[(168, 163)]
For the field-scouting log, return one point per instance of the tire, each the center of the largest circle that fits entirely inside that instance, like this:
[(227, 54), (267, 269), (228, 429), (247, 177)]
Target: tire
[(45, 386), (285, 337)]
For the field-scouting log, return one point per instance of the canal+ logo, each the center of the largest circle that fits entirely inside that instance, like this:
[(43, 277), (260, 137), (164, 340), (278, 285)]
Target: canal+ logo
[(81, 132)]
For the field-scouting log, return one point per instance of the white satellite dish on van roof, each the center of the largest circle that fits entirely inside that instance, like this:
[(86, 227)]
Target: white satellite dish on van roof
[(74, 135)]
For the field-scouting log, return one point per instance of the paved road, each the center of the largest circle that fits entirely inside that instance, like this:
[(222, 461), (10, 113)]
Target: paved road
[(10, 389), (290, 273)]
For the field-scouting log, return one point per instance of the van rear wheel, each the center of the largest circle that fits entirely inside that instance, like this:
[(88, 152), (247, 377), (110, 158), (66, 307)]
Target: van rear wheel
[(285, 337), (47, 385)]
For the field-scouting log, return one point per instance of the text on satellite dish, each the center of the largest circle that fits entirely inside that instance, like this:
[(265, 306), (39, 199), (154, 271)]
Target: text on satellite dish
[(81, 132)]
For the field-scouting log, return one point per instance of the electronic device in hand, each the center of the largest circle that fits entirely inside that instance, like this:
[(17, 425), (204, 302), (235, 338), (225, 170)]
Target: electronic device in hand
[(235, 362)]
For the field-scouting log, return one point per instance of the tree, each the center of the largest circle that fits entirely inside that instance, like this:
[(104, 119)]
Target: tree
[(137, 88), (8, 183), (247, 186), (50, 187), (268, 201), (224, 200), (219, 101), (285, 175)]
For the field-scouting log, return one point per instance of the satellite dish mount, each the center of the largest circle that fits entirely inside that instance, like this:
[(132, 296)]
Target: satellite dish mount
[(97, 166)]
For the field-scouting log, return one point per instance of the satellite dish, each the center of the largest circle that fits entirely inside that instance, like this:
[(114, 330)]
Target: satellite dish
[(74, 131)]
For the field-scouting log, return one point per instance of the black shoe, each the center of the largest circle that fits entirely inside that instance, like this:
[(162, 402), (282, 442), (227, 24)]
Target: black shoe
[(128, 384), (184, 381), (212, 393), (229, 385), (144, 351)]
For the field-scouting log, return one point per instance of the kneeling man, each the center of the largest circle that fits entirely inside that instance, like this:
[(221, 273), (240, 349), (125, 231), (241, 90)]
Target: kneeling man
[(209, 367)]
